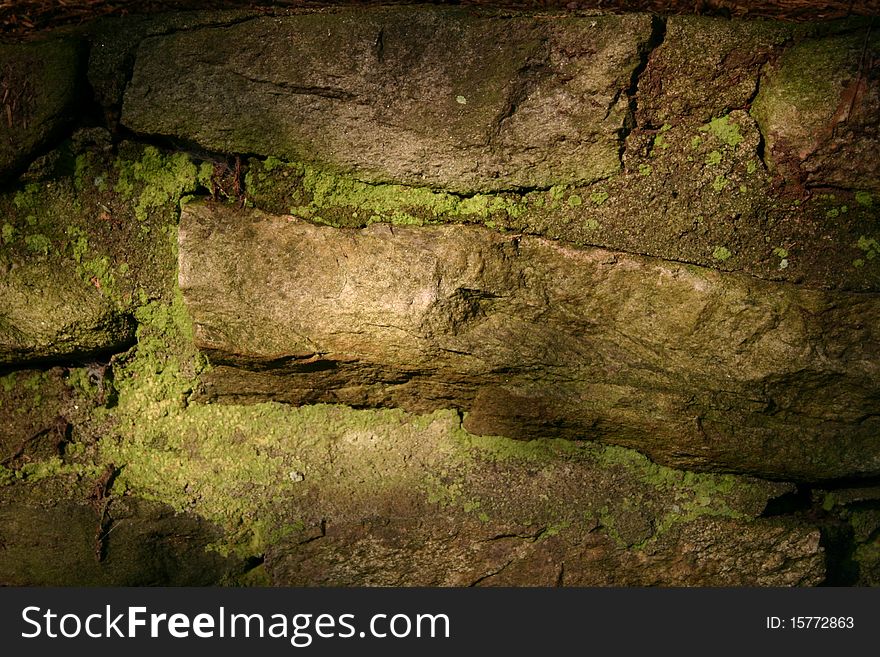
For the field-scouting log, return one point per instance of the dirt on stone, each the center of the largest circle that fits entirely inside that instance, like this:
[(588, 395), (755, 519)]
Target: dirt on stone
[(25, 16)]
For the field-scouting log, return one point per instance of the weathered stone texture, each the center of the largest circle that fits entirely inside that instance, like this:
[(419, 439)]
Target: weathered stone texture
[(409, 553), (330, 495), (705, 68), (115, 40), (38, 84), (581, 515), (57, 544), (819, 110), (442, 98), (51, 313), (693, 367)]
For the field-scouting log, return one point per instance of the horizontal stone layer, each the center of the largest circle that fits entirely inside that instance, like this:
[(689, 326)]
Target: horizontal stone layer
[(696, 368), (445, 98)]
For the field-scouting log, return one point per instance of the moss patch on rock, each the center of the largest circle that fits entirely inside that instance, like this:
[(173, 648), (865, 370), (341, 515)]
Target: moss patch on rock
[(706, 188), (85, 245), (268, 477)]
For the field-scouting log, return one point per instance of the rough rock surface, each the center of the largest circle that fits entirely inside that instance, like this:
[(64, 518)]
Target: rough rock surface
[(81, 249), (421, 503), (51, 313), (331, 495), (818, 108), (405, 552), (696, 368), (436, 97), (57, 544), (705, 68), (38, 83), (695, 193)]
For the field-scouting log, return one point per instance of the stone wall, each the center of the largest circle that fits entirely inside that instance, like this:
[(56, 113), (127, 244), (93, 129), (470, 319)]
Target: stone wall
[(426, 296)]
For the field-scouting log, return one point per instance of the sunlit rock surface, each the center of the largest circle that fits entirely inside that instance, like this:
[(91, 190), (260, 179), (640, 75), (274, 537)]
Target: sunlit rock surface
[(695, 368), (437, 97)]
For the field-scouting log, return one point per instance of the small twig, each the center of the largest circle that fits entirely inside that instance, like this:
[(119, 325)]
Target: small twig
[(101, 503)]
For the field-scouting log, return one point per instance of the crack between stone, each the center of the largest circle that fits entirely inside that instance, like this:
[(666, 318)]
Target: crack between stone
[(739, 272), (761, 148), (299, 90), (498, 571), (206, 26), (655, 40), (129, 72), (526, 78)]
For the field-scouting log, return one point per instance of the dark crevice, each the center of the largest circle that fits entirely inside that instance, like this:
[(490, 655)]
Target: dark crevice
[(796, 501), (71, 361), (655, 40), (527, 76), (761, 148), (848, 482), (253, 562), (836, 534), (322, 533), (380, 45), (287, 88), (837, 538), (479, 580)]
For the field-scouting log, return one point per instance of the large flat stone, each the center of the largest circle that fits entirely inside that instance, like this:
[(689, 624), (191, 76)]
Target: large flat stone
[(694, 367), (447, 98)]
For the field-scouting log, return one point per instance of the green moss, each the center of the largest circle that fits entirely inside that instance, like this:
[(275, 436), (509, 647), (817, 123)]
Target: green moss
[(51, 468), (7, 233), (38, 244), (499, 448), (599, 197), (324, 196), (645, 169), (696, 494), (574, 200), (864, 198), (868, 244), (871, 248), (554, 529), (724, 130), (721, 253), (779, 251), (159, 177), (713, 158), (8, 382), (719, 183), (659, 143), (81, 164), (751, 167)]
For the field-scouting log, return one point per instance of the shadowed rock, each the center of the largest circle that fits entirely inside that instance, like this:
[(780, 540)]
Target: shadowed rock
[(37, 87), (433, 97), (696, 368)]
